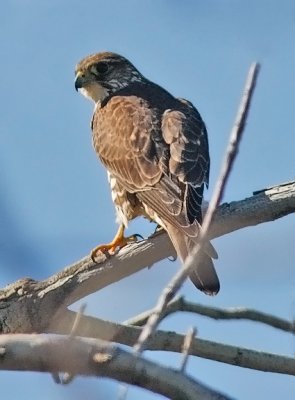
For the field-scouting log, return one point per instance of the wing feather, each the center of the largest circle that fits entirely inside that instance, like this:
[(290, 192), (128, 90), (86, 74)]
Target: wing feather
[(156, 147)]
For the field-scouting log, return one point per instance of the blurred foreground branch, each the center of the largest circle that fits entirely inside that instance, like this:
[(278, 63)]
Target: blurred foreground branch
[(193, 261), (93, 357)]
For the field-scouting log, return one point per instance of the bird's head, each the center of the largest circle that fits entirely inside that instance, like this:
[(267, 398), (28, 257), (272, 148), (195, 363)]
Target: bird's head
[(101, 74)]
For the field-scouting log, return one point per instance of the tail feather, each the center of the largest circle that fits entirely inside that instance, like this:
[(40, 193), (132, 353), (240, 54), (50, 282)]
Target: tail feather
[(204, 277)]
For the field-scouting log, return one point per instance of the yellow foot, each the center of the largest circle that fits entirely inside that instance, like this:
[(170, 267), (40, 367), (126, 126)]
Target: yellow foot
[(119, 241)]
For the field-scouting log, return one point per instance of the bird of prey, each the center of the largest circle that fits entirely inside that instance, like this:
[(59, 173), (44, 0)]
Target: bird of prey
[(155, 149)]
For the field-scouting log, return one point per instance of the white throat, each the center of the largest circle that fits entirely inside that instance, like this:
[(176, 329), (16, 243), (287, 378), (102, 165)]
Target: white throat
[(94, 92)]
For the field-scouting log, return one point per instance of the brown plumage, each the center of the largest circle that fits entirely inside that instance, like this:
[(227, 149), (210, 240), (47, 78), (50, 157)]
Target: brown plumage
[(155, 149)]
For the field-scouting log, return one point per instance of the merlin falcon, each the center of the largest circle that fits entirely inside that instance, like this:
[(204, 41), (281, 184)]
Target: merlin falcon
[(155, 149)]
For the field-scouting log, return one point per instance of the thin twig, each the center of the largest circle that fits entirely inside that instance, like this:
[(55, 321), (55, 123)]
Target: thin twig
[(123, 392), (77, 320), (187, 343), (66, 377), (192, 260), (179, 304)]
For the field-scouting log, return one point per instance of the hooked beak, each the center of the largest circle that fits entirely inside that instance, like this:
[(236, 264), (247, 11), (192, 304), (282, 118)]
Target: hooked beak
[(79, 80), (89, 87)]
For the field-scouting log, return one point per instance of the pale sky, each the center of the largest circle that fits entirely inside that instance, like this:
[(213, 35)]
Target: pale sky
[(56, 206)]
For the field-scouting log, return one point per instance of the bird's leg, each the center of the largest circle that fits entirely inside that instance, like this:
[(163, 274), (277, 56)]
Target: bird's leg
[(119, 241)]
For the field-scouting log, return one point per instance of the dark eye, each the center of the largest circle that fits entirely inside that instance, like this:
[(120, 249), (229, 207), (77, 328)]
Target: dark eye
[(102, 68)]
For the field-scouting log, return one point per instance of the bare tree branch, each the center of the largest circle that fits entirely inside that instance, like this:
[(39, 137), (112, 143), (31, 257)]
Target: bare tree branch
[(264, 206), (173, 342), (27, 305), (180, 304), (192, 261), (93, 357)]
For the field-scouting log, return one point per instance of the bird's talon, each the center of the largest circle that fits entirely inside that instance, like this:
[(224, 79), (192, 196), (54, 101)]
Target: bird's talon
[(157, 231), (103, 249), (158, 228), (135, 237), (118, 242)]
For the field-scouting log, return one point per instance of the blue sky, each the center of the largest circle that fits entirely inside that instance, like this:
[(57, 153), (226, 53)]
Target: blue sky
[(55, 203)]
